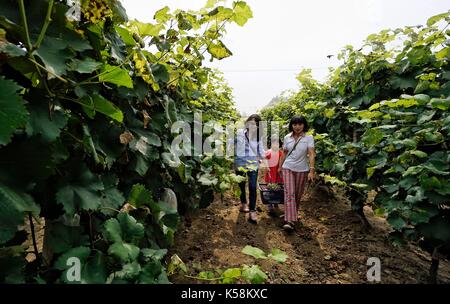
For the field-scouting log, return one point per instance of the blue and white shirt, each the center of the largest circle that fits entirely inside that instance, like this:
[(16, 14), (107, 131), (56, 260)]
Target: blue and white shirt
[(248, 152)]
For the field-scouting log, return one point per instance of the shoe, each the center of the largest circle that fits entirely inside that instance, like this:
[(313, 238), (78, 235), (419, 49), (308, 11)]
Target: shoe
[(253, 218), (244, 208), (289, 226)]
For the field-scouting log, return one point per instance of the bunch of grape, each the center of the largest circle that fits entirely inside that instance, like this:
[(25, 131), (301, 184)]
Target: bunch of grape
[(95, 11), (142, 68), (273, 187)]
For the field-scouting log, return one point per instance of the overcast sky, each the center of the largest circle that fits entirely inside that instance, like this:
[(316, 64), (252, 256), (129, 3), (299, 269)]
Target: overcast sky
[(285, 36)]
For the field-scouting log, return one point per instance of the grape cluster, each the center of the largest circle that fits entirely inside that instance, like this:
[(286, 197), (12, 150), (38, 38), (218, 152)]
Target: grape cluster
[(142, 68), (273, 187), (95, 11)]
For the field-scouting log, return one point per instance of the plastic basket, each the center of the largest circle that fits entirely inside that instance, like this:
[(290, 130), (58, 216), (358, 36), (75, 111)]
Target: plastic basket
[(269, 196)]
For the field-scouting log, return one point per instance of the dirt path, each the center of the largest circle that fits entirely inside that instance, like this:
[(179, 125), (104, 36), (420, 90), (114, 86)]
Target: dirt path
[(330, 247)]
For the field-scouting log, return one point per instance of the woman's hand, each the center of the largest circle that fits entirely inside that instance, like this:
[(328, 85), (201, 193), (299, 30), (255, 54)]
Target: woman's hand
[(280, 170), (263, 170), (311, 175)]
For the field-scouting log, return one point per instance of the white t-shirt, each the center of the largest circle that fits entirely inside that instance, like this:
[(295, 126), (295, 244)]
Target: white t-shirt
[(298, 161)]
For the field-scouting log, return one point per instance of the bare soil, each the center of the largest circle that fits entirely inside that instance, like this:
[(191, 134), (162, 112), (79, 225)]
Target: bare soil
[(330, 245)]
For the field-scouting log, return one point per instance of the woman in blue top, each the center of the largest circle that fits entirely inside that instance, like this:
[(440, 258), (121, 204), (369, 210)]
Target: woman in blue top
[(249, 152)]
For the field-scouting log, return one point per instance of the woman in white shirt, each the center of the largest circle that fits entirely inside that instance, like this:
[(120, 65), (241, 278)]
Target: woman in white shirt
[(297, 166)]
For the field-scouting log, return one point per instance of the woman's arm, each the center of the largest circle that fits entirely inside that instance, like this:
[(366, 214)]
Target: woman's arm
[(260, 149), (281, 160), (230, 147), (312, 162)]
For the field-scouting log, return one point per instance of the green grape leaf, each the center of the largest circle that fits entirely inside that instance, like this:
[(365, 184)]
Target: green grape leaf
[(146, 29), (434, 19), (12, 50), (53, 52), (414, 170), (417, 197), (115, 75), (441, 104), (254, 274), (373, 137), (124, 252), (129, 271), (95, 271), (162, 15), (153, 273), (113, 231), (80, 191), (396, 222), (140, 196), (13, 207), (132, 231), (402, 83), (61, 238), (242, 13), (140, 165), (407, 182), (425, 117), (422, 215), (41, 121), (124, 229), (160, 72), (219, 50), (231, 275), (126, 36), (85, 66), (207, 180), (97, 103), (153, 254), (112, 198), (13, 114), (430, 183), (278, 255), (254, 252)]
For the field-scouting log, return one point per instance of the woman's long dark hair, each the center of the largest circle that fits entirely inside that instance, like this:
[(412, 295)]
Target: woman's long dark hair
[(298, 120), (254, 117), (257, 119)]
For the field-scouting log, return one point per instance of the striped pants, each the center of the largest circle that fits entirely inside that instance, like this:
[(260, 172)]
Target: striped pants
[(294, 185)]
